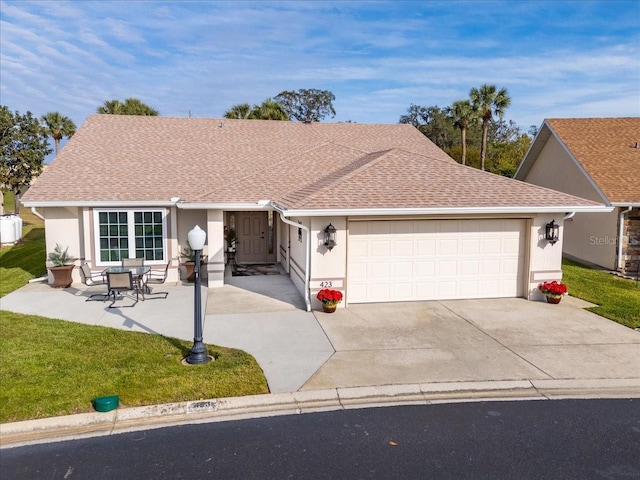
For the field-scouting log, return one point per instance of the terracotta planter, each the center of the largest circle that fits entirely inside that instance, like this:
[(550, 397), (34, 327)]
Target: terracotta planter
[(329, 308), (189, 270), (62, 276), (553, 299)]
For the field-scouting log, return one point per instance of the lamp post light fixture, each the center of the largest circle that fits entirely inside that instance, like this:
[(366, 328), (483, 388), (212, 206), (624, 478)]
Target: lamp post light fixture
[(198, 355), (330, 237), (552, 232)]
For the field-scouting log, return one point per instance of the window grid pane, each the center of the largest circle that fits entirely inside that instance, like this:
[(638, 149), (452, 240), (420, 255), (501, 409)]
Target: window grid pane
[(114, 242), (148, 235)]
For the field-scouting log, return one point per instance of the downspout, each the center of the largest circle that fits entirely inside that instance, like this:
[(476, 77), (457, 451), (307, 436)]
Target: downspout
[(620, 232), (569, 216), (307, 269), (33, 210)]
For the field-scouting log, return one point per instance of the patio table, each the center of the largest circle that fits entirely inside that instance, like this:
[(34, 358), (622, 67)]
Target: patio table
[(137, 272)]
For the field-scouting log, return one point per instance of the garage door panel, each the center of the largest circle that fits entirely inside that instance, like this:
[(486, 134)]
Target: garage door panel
[(435, 259), (426, 247), (447, 246), (403, 248)]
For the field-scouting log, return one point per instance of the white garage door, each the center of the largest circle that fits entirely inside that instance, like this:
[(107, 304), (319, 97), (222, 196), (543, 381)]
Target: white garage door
[(391, 261)]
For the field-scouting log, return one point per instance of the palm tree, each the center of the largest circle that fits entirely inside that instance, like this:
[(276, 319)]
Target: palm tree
[(462, 114), (486, 102), (112, 107), (57, 127), (238, 112), (269, 110), (131, 106)]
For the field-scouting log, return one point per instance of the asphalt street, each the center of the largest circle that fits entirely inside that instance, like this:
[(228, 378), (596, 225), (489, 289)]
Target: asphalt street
[(558, 439)]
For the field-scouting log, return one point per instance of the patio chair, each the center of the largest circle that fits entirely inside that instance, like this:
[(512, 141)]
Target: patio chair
[(91, 279), (120, 283), (133, 262), (157, 277)]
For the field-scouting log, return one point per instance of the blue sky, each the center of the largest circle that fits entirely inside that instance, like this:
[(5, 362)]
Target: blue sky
[(557, 59)]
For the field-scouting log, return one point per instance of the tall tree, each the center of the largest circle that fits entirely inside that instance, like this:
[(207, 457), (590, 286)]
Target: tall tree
[(433, 122), (57, 127), (23, 148), (462, 114), (307, 105), (131, 106), (488, 101), (240, 111)]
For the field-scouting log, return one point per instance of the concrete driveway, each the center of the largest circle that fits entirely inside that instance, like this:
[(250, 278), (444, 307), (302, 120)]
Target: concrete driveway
[(474, 340)]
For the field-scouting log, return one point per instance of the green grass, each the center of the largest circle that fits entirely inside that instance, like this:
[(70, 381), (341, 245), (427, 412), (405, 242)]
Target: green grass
[(54, 367), (617, 298), (26, 260)]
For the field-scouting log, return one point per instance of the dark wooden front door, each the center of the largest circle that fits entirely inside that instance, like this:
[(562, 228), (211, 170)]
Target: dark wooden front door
[(251, 231)]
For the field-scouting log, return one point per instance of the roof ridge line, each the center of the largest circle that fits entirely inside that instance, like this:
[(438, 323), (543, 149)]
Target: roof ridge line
[(322, 183)]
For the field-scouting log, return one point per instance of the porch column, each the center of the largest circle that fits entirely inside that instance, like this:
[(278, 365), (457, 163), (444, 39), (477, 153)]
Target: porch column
[(215, 248)]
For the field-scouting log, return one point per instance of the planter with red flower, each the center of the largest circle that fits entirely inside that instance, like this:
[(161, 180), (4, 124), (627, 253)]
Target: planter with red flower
[(330, 299), (553, 291)]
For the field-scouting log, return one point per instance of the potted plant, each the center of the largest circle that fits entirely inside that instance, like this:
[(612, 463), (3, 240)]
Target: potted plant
[(189, 263), (553, 291), (232, 239), (330, 299), (62, 267)]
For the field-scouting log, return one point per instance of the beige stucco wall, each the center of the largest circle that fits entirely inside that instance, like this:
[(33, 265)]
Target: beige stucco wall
[(328, 268), (588, 236), (545, 260), (62, 226), (214, 248), (593, 237), (555, 169)]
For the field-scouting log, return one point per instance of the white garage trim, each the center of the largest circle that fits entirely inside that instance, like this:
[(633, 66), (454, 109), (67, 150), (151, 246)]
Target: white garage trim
[(410, 260)]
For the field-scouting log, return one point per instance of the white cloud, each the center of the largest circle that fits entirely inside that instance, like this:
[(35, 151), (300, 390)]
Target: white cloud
[(377, 57)]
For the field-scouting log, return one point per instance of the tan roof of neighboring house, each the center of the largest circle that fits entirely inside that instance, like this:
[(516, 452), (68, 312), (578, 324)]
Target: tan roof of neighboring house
[(114, 158), (608, 149)]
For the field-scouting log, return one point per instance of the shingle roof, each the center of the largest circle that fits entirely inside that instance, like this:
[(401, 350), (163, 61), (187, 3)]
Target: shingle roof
[(607, 149), (115, 158)]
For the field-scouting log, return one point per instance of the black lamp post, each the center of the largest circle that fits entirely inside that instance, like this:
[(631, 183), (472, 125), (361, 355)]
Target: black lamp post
[(198, 355)]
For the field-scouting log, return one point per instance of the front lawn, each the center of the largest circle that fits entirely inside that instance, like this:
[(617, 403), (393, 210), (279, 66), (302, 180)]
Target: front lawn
[(54, 367), (617, 298)]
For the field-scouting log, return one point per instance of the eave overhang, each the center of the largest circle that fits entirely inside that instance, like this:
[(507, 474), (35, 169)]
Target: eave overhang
[(561, 209)]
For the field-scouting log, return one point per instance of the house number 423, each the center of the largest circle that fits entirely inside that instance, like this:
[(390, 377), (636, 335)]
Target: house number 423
[(326, 284)]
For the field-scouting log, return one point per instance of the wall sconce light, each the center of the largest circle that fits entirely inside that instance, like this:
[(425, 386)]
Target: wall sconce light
[(330, 237), (552, 232)]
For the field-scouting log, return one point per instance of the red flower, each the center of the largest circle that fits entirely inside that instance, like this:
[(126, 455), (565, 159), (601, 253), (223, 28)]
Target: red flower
[(553, 288), (330, 297)]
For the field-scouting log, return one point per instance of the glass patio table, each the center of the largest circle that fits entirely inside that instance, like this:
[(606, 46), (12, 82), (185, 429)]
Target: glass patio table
[(137, 273)]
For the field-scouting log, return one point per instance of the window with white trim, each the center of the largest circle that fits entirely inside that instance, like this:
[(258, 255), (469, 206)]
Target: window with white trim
[(129, 234)]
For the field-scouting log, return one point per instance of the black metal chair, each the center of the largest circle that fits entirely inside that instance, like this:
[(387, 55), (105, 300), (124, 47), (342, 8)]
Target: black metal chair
[(120, 283)]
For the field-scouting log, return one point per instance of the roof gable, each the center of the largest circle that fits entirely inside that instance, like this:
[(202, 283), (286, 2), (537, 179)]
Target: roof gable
[(606, 150)]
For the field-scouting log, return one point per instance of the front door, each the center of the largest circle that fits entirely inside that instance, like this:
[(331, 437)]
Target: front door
[(252, 237)]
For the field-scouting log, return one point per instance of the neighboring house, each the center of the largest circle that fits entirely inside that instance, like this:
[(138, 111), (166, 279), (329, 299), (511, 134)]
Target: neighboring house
[(412, 224), (597, 159)]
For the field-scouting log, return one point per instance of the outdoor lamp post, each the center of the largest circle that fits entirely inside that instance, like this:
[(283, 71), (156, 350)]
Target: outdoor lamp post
[(198, 355)]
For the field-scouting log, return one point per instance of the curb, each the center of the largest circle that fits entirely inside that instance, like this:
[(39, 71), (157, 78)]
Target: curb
[(129, 419)]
